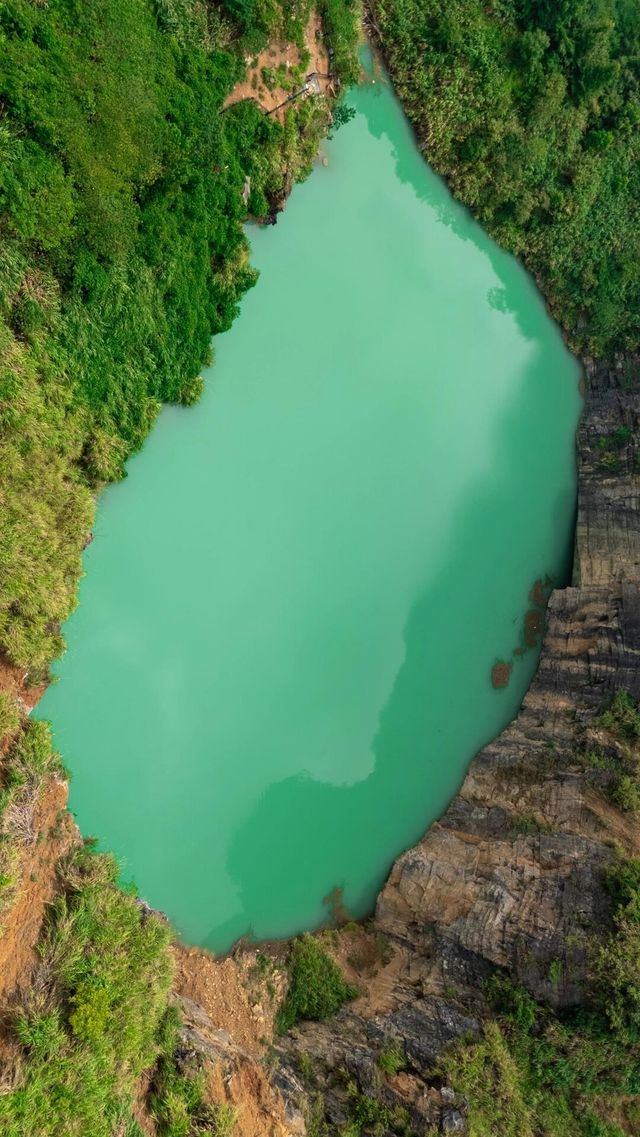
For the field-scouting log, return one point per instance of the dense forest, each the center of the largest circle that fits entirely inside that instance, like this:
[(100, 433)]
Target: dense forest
[(122, 249), (121, 252), (531, 111)]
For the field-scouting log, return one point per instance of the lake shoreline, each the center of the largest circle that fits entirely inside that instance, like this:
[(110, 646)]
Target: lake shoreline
[(526, 818)]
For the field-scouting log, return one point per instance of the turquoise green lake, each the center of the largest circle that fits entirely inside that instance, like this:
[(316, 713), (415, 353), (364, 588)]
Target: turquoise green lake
[(281, 662)]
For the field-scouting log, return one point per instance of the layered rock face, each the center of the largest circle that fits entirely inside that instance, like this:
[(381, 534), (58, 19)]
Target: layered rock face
[(512, 875)]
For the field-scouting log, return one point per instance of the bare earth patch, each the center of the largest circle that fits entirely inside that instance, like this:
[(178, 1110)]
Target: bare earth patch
[(259, 1107), (239, 996), (21, 922), (238, 993), (370, 962), (287, 55)]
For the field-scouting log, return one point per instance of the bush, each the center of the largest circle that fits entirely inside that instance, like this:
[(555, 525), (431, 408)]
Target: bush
[(623, 716), (392, 1059), (317, 988)]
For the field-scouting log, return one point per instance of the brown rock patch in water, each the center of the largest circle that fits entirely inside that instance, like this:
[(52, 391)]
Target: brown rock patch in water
[(533, 625), (538, 594), (541, 591), (501, 674)]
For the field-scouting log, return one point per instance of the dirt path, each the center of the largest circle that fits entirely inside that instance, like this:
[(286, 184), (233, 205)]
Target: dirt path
[(270, 94), (240, 993)]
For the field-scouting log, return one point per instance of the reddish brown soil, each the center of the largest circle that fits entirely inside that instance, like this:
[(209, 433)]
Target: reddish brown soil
[(38, 886), (140, 1110), (259, 1108), (237, 995), (240, 994)]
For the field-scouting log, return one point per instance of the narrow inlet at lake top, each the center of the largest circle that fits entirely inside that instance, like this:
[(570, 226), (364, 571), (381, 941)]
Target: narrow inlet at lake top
[(283, 656)]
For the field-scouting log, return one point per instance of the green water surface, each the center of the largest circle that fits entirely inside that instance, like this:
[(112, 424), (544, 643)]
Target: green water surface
[(280, 666)]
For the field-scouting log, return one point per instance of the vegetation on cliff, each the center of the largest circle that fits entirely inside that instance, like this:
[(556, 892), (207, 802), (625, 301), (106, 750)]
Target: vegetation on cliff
[(531, 111), (29, 761), (532, 1073), (88, 1025)]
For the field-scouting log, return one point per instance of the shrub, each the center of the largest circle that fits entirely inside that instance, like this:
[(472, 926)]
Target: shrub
[(392, 1059), (623, 716), (317, 988), (626, 793), (513, 1002), (90, 1003)]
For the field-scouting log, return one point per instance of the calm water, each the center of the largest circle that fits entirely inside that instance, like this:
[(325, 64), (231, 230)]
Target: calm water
[(280, 666)]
